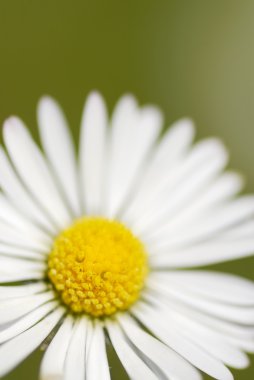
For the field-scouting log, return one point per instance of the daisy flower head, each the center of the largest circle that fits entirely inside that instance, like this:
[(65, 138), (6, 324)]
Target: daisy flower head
[(106, 248)]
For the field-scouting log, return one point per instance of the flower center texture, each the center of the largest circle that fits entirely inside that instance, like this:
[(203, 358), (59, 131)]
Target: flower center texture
[(97, 266)]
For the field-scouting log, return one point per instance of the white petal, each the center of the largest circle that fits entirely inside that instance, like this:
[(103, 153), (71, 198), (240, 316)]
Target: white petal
[(21, 290), (12, 217), (239, 336), (223, 327), (27, 321), (133, 134), (173, 365), (133, 364), (243, 230), (171, 149), (244, 344), (24, 276), (97, 354), (233, 313), (12, 251), (52, 365), (204, 254), (33, 170), (58, 146), (174, 339), (89, 335), (13, 237), (14, 308), (173, 144), (213, 344), (17, 349), (210, 340), (22, 200), (93, 153), (221, 190), (11, 265), (216, 286), (75, 357), (179, 197), (217, 221), (201, 155)]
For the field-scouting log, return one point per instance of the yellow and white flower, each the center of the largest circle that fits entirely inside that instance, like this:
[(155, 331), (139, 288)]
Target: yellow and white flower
[(101, 250)]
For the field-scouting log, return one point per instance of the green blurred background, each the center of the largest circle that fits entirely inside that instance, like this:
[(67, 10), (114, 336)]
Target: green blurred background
[(192, 58)]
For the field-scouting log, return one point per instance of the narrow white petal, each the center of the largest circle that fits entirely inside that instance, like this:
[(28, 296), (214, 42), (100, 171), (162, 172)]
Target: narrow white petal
[(21, 290), (178, 198), (27, 321), (210, 340), (174, 339), (15, 308), (89, 335), (13, 237), (239, 336), (243, 230), (172, 147), (201, 155), (25, 253), (204, 254), (173, 365), (216, 286), (133, 135), (222, 189), (93, 153), (97, 354), (174, 144), (12, 217), (133, 364), (58, 146), (32, 168), (246, 345), (24, 276), (13, 265), (75, 358), (226, 328), (52, 365), (17, 349), (216, 221), (16, 192), (233, 313)]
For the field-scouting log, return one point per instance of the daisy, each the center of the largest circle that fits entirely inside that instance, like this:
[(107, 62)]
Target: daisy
[(106, 251)]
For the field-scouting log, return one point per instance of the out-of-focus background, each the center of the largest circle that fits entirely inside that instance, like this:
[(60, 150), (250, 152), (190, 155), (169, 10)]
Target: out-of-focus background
[(192, 58)]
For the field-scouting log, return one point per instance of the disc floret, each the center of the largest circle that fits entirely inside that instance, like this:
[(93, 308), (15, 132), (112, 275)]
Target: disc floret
[(98, 267)]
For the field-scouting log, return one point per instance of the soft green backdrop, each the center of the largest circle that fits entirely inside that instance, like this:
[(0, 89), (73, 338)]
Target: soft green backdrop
[(192, 58)]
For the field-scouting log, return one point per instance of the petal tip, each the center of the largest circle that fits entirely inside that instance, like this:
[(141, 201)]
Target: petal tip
[(11, 123)]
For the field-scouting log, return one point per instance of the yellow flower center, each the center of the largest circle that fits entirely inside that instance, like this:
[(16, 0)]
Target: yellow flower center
[(97, 266)]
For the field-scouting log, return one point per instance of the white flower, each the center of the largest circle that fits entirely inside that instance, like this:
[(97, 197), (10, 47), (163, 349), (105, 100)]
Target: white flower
[(103, 248)]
